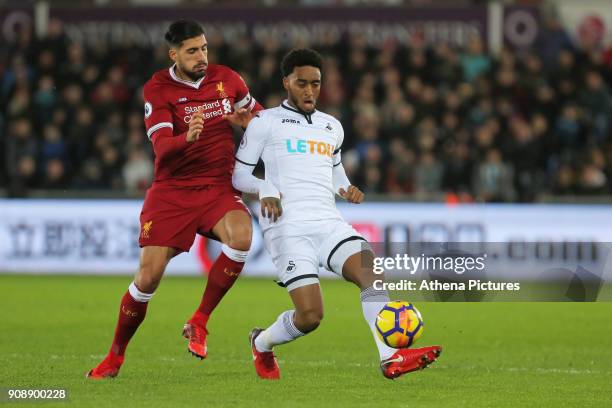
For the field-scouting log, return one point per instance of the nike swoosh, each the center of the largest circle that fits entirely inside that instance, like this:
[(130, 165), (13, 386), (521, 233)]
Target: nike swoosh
[(394, 360)]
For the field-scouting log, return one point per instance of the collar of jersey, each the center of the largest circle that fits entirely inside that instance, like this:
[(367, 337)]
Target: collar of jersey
[(192, 84), (308, 116)]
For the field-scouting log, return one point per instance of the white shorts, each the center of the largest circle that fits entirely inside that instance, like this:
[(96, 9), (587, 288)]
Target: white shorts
[(298, 253)]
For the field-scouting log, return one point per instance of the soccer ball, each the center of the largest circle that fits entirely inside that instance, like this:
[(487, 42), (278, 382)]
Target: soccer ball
[(399, 324)]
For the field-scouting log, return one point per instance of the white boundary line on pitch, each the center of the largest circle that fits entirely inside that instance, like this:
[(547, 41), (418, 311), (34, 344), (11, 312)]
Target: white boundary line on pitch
[(322, 363), (526, 369)]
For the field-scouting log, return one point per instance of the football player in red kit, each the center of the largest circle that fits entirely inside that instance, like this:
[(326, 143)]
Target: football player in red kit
[(188, 113)]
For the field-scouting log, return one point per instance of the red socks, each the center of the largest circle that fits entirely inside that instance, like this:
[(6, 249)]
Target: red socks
[(133, 309), (131, 313), (221, 277)]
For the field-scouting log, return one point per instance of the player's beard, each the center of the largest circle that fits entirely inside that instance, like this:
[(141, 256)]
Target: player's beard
[(193, 75)]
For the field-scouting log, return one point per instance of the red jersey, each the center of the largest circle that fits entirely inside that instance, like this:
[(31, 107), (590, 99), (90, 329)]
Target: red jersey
[(169, 104)]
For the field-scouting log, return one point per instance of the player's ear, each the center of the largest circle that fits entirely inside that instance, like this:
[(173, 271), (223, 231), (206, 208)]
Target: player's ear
[(172, 53), (286, 83)]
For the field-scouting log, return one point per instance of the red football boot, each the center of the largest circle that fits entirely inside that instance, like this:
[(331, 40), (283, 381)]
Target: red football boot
[(108, 368), (266, 365), (408, 360), (197, 339)]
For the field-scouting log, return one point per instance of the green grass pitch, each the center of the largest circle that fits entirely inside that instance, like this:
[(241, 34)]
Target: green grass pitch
[(54, 329)]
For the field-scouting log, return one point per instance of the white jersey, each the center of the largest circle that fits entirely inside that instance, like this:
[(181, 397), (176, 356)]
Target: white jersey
[(299, 152)]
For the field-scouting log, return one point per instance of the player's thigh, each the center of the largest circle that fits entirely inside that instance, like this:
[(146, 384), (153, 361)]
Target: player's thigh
[(359, 269), (343, 244), (235, 229), (166, 221), (153, 262), (295, 259), (225, 217)]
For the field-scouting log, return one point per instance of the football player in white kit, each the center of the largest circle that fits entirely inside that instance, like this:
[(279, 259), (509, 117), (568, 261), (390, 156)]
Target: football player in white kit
[(300, 147)]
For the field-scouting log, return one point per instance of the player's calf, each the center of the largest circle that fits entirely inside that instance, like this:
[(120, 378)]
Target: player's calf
[(235, 231), (307, 321), (224, 272), (132, 312), (308, 304)]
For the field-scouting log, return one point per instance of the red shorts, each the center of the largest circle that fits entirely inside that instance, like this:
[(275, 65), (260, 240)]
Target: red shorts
[(171, 216)]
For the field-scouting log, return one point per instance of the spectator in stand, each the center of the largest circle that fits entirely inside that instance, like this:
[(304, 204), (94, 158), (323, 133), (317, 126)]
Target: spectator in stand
[(433, 119), (89, 176), (596, 99), (137, 171), (53, 146), (552, 39), (458, 171), (494, 179), (20, 143), (55, 177), (428, 174), (475, 61), (400, 172)]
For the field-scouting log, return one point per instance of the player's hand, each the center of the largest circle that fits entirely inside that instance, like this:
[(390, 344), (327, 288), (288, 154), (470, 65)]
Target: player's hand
[(353, 195), (240, 117), (271, 208), (195, 127)]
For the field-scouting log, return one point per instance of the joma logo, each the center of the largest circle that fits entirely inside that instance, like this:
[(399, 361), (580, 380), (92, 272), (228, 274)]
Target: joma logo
[(297, 122)]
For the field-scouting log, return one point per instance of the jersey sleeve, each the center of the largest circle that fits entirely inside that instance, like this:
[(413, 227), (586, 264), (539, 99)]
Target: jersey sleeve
[(249, 152), (243, 98), (157, 113), (253, 141), (339, 178), (336, 157)]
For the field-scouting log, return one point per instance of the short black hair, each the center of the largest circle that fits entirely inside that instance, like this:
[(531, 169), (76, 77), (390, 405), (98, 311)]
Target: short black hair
[(182, 30), (301, 57)]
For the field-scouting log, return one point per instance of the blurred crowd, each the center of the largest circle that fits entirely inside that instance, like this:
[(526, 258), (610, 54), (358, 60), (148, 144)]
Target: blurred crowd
[(426, 121)]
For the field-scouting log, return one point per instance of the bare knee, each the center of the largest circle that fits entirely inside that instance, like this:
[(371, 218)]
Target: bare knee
[(153, 261), (308, 320), (239, 236), (148, 277)]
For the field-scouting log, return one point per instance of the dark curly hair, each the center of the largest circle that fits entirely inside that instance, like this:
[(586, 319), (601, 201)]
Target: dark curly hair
[(299, 58)]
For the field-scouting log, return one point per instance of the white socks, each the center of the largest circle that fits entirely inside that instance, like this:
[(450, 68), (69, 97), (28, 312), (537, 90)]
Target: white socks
[(372, 301), (137, 295), (282, 331), (235, 255)]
